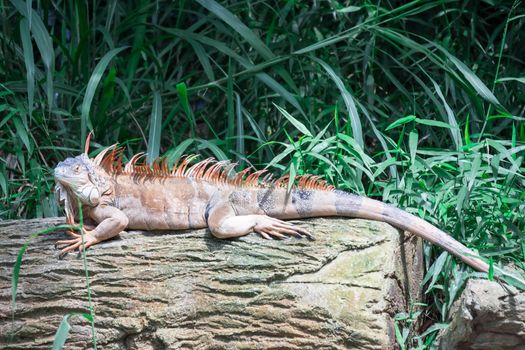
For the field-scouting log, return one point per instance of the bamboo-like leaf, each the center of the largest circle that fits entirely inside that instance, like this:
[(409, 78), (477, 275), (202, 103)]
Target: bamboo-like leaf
[(3, 180), (454, 127), (174, 154), (254, 41), (239, 144), (401, 121), (29, 63), (435, 270), (265, 78), (94, 80), (519, 79), (298, 125), (182, 90), (155, 126), (62, 333), (413, 138), (44, 44), (63, 329), (217, 152), (349, 9), (357, 131), (472, 78), (232, 20), (431, 122), (203, 59), (21, 131)]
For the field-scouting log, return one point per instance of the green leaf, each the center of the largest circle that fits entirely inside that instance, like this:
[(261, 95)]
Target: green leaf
[(108, 92), (3, 180), (21, 131), (174, 154), (182, 90), (454, 127), (491, 269), (435, 270), (90, 92), (399, 337), (230, 106), (349, 9), (431, 122), (263, 77), (298, 125), (412, 145), (203, 59), (29, 63), (155, 126), (520, 79), (217, 152), (291, 175), (63, 329), (238, 26), (43, 42), (401, 121), (62, 333), (473, 79), (357, 131), (288, 149), (248, 35), (467, 133)]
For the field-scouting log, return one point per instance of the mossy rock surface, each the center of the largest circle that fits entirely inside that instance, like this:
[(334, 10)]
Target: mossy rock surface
[(188, 290)]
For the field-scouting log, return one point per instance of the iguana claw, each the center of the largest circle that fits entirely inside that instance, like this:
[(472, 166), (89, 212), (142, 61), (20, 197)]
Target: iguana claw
[(269, 227), (72, 244)]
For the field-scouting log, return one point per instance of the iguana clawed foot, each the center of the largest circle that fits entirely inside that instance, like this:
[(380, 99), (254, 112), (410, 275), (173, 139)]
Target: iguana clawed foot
[(76, 242), (269, 227)]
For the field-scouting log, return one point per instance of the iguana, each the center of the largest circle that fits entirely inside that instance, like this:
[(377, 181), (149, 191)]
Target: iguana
[(116, 197)]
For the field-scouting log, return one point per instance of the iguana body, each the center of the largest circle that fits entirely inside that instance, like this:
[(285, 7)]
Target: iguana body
[(116, 197)]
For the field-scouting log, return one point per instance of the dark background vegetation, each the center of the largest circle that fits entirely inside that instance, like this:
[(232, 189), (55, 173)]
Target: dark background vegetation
[(420, 104)]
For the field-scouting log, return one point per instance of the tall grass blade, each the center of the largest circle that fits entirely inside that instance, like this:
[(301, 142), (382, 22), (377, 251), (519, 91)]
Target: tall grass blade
[(44, 44), (155, 127), (238, 26), (63, 330), (182, 90), (454, 130), (297, 124), (21, 131), (94, 80), (472, 78), (29, 62), (264, 77), (357, 131), (240, 143)]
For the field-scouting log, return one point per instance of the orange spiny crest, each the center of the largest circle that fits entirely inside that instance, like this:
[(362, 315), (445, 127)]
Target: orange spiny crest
[(210, 170)]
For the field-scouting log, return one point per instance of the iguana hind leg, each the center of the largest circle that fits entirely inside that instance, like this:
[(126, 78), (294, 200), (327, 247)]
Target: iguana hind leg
[(224, 223)]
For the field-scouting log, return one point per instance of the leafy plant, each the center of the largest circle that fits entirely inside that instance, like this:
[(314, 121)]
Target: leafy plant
[(420, 103)]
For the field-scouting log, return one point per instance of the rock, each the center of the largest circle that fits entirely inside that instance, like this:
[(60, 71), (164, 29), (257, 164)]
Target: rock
[(187, 290), (487, 315)]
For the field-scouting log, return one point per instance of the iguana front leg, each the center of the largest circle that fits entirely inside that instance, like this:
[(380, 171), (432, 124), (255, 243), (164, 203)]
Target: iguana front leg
[(223, 222), (111, 221)]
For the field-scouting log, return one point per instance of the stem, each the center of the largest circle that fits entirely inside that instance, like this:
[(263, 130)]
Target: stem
[(93, 334)]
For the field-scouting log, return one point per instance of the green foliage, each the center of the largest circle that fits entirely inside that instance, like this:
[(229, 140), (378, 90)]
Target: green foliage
[(420, 104)]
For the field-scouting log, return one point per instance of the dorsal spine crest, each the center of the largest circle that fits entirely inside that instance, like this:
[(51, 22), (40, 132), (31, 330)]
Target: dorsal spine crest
[(210, 169)]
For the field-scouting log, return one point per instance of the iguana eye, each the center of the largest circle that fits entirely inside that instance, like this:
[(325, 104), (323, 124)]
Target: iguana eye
[(76, 168)]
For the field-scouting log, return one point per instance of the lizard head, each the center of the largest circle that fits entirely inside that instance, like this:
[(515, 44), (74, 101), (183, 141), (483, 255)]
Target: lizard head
[(78, 177)]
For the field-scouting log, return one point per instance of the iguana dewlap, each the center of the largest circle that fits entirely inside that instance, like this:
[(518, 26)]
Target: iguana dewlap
[(116, 197)]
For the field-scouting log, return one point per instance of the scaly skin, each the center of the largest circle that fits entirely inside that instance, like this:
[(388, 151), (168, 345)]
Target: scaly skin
[(205, 195)]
